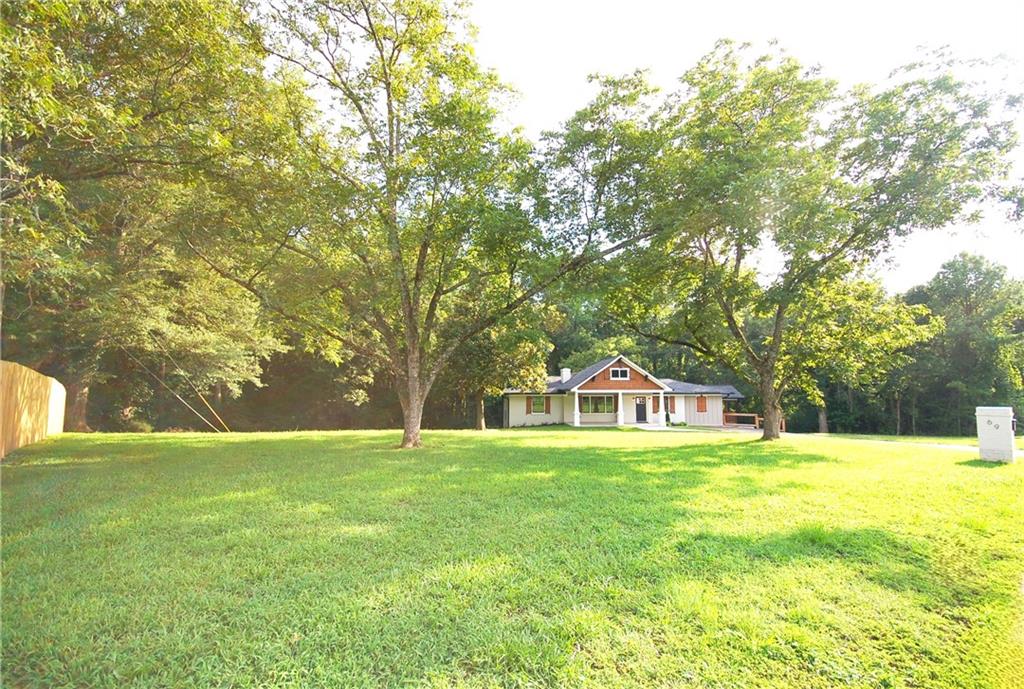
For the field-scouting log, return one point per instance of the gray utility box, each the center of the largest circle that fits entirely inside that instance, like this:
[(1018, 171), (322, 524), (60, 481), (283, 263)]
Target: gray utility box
[(995, 433)]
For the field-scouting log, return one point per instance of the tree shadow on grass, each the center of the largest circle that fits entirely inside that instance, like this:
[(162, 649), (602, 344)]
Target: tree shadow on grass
[(340, 560), (898, 563)]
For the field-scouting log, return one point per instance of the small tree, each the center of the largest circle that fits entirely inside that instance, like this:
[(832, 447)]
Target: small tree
[(854, 335), (512, 355)]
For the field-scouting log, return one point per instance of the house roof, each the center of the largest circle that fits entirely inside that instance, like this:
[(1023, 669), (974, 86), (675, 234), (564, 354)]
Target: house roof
[(581, 377), (555, 384), (726, 391)]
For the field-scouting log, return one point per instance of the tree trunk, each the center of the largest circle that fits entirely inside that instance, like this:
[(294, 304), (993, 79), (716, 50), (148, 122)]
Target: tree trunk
[(822, 419), (75, 408), (772, 412), (412, 395), (959, 431), (412, 417), (899, 413), (478, 408)]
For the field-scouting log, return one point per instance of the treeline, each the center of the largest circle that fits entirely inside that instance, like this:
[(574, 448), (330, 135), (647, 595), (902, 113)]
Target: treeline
[(975, 359), (312, 214), (932, 388)]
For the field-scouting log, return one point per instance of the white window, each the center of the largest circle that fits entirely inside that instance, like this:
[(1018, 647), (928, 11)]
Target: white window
[(620, 374), (597, 404), (536, 405)]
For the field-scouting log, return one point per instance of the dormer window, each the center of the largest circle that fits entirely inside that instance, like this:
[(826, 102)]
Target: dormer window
[(620, 374)]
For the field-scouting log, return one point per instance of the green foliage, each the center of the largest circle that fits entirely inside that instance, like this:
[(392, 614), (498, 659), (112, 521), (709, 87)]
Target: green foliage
[(933, 386), (129, 115), (978, 359), (758, 156), (98, 91), (599, 349), (527, 558), (852, 334), (513, 355)]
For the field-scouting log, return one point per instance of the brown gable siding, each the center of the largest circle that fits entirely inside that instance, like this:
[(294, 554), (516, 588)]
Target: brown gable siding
[(603, 380)]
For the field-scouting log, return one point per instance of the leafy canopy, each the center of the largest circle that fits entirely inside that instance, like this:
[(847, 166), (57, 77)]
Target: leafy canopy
[(758, 160)]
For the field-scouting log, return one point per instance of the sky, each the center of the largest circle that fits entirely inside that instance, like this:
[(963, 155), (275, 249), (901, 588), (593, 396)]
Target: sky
[(546, 48)]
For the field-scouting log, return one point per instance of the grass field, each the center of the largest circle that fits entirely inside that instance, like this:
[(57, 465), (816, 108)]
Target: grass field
[(577, 558), (927, 439)]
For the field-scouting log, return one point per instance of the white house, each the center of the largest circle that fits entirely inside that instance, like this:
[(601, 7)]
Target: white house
[(617, 392)]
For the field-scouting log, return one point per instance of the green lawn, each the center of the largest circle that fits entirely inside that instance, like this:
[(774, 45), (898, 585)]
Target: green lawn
[(931, 439), (597, 558)]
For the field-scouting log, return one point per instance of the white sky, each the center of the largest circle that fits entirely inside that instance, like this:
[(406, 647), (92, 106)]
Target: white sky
[(546, 49)]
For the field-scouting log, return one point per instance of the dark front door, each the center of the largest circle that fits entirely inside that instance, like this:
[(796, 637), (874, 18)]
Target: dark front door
[(641, 410)]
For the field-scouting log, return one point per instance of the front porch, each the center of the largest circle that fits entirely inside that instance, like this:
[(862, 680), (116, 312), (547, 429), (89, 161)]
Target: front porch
[(618, 408)]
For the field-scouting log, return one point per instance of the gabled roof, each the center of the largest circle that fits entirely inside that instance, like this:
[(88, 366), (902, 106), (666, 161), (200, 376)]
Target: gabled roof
[(594, 369), (581, 377), (726, 391)]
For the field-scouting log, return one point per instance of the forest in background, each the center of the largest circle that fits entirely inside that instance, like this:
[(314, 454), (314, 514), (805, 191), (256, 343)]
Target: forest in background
[(975, 360)]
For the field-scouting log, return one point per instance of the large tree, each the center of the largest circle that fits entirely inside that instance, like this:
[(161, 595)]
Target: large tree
[(419, 231), (122, 114), (100, 91), (773, 185)]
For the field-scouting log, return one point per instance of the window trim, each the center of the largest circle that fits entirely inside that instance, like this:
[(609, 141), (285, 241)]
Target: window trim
[(612, 371), (533, 404)]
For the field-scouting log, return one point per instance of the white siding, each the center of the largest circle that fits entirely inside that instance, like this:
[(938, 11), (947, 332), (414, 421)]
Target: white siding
[(629, 407), (679, 415), (604, 419), (562, 407), (712, 417), (517, 415)]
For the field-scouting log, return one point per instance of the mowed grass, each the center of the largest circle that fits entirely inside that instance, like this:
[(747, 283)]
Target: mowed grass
[(927, 439), (547, 558)]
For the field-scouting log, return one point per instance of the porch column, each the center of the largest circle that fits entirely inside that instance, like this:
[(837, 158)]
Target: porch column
[(620, 417), (661, 407), (575, 409)]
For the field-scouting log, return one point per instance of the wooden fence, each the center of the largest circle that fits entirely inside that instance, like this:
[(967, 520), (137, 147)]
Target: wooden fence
[(31, 406)]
